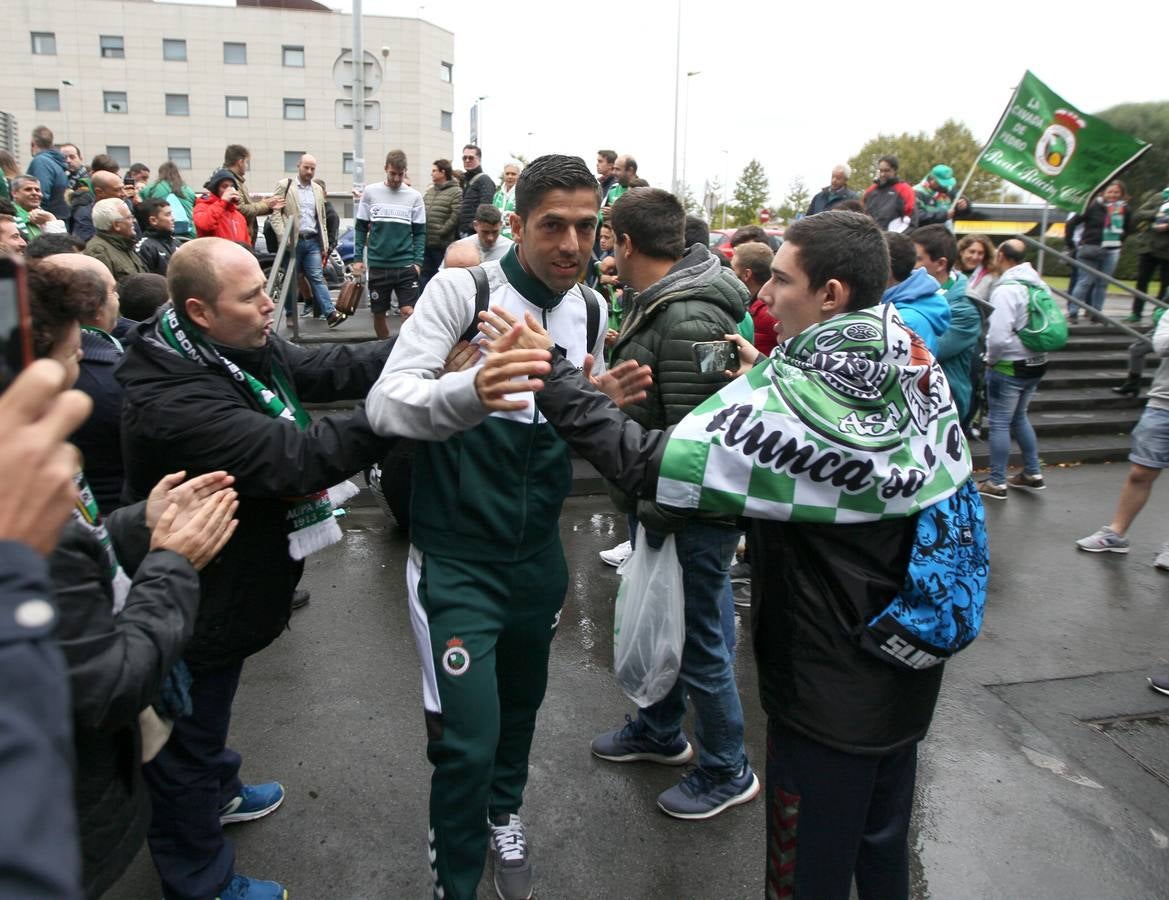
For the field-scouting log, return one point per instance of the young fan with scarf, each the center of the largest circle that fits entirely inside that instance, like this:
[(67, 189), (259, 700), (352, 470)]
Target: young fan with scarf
[(834, 447)]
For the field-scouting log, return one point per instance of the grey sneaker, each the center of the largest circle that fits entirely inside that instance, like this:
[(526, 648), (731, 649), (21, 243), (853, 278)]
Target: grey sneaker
[(701, 796), (1159, 681), (1162, 560), (1026, 482), (630, 743), (509, 855), (995, 491), (1105, 540)]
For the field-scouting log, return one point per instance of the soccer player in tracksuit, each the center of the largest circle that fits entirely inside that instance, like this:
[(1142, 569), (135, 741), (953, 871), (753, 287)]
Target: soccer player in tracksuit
[(486, 573)]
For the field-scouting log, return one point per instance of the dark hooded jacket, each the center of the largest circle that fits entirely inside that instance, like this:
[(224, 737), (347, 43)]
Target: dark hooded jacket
[(179, 414), (117, 664), (697, 300), (48, 167)]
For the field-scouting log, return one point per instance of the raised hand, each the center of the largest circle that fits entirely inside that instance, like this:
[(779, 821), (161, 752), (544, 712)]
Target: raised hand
[(624, 383), (203, 533), (509, 370)]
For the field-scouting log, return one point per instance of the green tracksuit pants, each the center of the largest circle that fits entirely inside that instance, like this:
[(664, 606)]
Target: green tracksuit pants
[(483, 631)]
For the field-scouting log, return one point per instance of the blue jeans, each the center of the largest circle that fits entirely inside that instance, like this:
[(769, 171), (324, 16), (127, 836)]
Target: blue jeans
[(705, 553), (1007, 398), (308, 263), (1090, 288)]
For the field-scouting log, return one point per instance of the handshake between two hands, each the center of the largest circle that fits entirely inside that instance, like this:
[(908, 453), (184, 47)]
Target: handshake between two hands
[(518, 353)]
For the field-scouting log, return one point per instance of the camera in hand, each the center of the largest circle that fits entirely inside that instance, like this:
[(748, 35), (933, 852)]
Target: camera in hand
[(716, 356)]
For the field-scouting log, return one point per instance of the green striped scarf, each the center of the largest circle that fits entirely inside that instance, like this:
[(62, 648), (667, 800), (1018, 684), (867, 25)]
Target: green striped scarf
[(850, 421)]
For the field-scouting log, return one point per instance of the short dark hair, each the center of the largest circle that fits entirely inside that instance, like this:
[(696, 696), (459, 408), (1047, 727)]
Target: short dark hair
[(104, 163), (609, 155), (444, 166), (555, 171), (52, 244), (397, 159), (756, 257), (42, 137), (478, 152), (847, 246), (58, 297), (148, 208), (893, 161), (696, 232), (852, 205), (488, 214), (233, 153), (902, 255), (937, 241), (141, 294), (749, 234), (630, 163), (654, 220), (138, 167)]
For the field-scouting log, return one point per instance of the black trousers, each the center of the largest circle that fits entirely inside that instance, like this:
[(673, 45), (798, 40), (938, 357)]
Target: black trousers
[(190, 780), (832, 815), (1147, 264)]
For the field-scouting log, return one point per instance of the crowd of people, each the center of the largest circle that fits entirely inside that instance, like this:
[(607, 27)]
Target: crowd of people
[(557, 311)]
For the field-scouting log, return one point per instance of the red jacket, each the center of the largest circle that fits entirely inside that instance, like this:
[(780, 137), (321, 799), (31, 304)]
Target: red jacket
[(765, 323), (214, 218)]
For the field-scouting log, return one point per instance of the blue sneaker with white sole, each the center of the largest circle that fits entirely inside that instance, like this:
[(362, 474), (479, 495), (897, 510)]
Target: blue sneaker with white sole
[(700, 795), (243, 888), (630, 743), (253, 802)]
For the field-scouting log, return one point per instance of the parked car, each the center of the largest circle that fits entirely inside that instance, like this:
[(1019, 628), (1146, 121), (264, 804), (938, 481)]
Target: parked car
[(720, 239)]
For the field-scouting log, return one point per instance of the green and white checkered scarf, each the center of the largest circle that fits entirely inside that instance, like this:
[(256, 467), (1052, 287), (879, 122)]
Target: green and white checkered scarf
[(849, 421)]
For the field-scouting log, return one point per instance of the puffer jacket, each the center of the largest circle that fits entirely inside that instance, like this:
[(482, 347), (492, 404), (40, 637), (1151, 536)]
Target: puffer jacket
[(1155, 243), (442, 202), (697, 300)]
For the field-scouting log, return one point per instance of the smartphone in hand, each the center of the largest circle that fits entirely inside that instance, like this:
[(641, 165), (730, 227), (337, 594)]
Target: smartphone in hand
[(715, 357), (15, 319)]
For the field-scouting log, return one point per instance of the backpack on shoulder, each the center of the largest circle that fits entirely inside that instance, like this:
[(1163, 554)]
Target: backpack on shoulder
[(939, 609), (1047, 326)]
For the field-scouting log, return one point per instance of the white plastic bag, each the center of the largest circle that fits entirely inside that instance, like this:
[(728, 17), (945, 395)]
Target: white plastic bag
[(649, 625)]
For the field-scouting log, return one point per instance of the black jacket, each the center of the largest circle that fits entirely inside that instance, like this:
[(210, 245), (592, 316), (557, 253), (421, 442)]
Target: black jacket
[(1093, 222), (155, 248), (812, 585), (180, 415), (827, 198), (116, 668), (81, 215), (38, 828), (99, 437), (476, 190)]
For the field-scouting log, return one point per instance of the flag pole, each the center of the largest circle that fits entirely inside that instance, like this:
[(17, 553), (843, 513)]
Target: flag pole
[(1042, 237), (995, 131)]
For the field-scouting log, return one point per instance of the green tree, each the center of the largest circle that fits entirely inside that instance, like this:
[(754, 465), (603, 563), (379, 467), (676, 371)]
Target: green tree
[(952, 144), (691, 204), (751, 193), (795, 203), (1149, 122)]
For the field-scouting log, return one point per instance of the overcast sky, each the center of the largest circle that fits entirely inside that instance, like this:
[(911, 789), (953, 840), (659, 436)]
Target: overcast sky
[(798, 85)]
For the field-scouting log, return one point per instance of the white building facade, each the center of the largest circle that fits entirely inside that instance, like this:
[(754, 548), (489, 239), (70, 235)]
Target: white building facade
[(146, 82)]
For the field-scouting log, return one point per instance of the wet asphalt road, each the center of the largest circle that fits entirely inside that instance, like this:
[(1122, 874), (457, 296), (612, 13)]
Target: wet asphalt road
[(1028, 787)]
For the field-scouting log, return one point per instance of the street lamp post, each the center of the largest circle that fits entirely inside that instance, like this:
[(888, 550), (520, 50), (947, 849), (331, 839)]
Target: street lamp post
[(65, 108), (677, 69), (686, 137), (726, 181)]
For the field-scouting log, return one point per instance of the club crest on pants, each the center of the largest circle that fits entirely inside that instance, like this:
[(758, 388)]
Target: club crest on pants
[(456, 660)]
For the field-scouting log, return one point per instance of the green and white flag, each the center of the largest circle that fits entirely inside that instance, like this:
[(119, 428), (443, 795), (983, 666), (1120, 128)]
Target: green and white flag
[(850, 421), (1046, 146)]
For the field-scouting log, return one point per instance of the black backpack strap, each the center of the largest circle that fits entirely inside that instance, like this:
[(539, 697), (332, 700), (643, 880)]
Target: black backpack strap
[(593, 303), (482, 300)]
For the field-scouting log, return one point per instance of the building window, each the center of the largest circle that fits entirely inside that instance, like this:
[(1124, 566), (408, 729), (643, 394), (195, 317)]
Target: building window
[(293, 109), (115, 101), (346, 163), (47, 99), (446, 121), (236, 107), (44, 43), (112, 46), (178, 105), (120, 154), (235, 54), (180, 156), (174, 49), (292, 159), (446, 72), (294, 57)]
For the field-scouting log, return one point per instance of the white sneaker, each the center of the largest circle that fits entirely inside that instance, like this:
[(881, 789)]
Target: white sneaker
[(1162, 560), (617, 555)]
